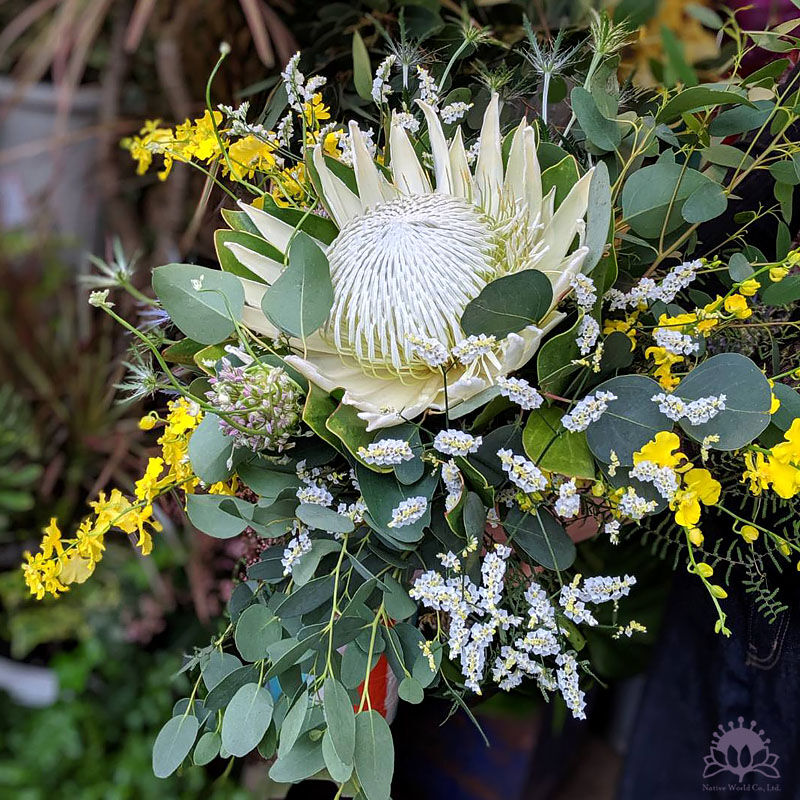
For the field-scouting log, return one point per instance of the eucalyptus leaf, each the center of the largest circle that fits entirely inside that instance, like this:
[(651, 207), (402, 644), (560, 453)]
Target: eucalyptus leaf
[(340, 719), (211, 451), (204, 303), (508, 304), (207, 515), (555, 449), (256, 629), (246, 719), (173, 743), (374, 755), (539, 535)]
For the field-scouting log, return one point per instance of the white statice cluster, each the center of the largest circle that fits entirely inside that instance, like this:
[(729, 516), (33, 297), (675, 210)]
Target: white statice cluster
[(315, 493), (355, 511), (474, 347), (568, 502), (695, 412), (524, 474), (648, 291), (406, 120), (665, 479), (428, 88), (386, 452), (588, 334), (294, 81), (675, 342), (284, 130), (380, 83), (634, 507), (585, 292), (454, 111), (408, 511), (612, 529), (587, 411), (298, 545), (453, 442), (453, 484), (316, 483), (431, 351), (519, 391)]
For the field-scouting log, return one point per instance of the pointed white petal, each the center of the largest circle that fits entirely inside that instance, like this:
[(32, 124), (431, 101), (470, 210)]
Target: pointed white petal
[(523, 174), (489, 169), (343, 204), (441, 158), (563, 227), (253, 292), (409, 176), (459, 168), (276, 232), (263, 266), (373, 188), (254, 319)]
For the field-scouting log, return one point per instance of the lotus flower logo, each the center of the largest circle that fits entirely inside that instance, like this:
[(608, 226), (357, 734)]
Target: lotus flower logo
[(740, 749)]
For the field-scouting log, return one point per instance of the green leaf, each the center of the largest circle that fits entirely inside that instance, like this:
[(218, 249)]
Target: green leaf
[(374, 755), (563, 176), (508, 304), (210, 451), (783, 292), (304, 568), (789, 409), (383, 493), (306, 598), (337, 769), (411, 691), (207, 749), (207, 313), (598, 217), (653, 197), (223, 692), (219, 665), (362, 69), (696, 98), (630, 421), (256, 630), (474, 516), (300, 300), (317, 409), (173, 743), (324, 519), (727, 155), (340, 719), (398, 604), (602, 132), (541, 537), (555, 449), (741, 119), (739, 267), (554, 365), (351, 431), (354, 665), (293, 723), (182, 352), (785, 172), (302, 761), (230, 263), (246, 719), (747, 400), (206, 514), (706, 202), (266, 479)]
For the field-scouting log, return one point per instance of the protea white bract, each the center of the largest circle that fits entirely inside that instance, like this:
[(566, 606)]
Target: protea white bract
[(412, 251)]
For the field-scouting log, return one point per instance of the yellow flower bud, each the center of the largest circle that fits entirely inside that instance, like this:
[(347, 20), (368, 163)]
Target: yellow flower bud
[(717, 591), (783, 546), (704, 570), (147, 423), (737, 305), (749, 287), (696, 537), (777, 274), (749, 533)]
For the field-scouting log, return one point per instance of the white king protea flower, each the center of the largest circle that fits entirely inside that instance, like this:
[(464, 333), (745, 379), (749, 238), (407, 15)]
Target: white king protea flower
[(411, 252)]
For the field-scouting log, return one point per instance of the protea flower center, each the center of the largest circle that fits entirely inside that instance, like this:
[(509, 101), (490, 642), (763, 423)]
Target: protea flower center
[(407, 266)]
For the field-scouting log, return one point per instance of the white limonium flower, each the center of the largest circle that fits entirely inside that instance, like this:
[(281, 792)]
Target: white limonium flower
[(386, 452), (585, 291), (297, 546), (587, 411), (456, 443), (429, 350), (696, 412), (676, 342), (522, 473), (380, 84), (408, 512), (588, 334), (315, 493), (428, 88), (519, 391), (411, 248), (568, 502), (635, 507), (453, 112)]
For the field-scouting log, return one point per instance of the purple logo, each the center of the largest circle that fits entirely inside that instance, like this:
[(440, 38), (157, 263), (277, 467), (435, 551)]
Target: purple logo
[(740, 750)]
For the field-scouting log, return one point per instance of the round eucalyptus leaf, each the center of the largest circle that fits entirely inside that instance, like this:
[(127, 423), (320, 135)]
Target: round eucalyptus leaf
[(629, 422), (747, 400), (173, 743), (246, 719)]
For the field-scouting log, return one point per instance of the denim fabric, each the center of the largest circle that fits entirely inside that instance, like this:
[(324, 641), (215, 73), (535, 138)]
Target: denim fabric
[(699, 680)]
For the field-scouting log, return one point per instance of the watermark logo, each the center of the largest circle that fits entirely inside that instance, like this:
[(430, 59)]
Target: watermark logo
[(740, 750)]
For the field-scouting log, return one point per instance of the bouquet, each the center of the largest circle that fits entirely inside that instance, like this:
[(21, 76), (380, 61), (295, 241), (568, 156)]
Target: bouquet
[(445, 341)]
